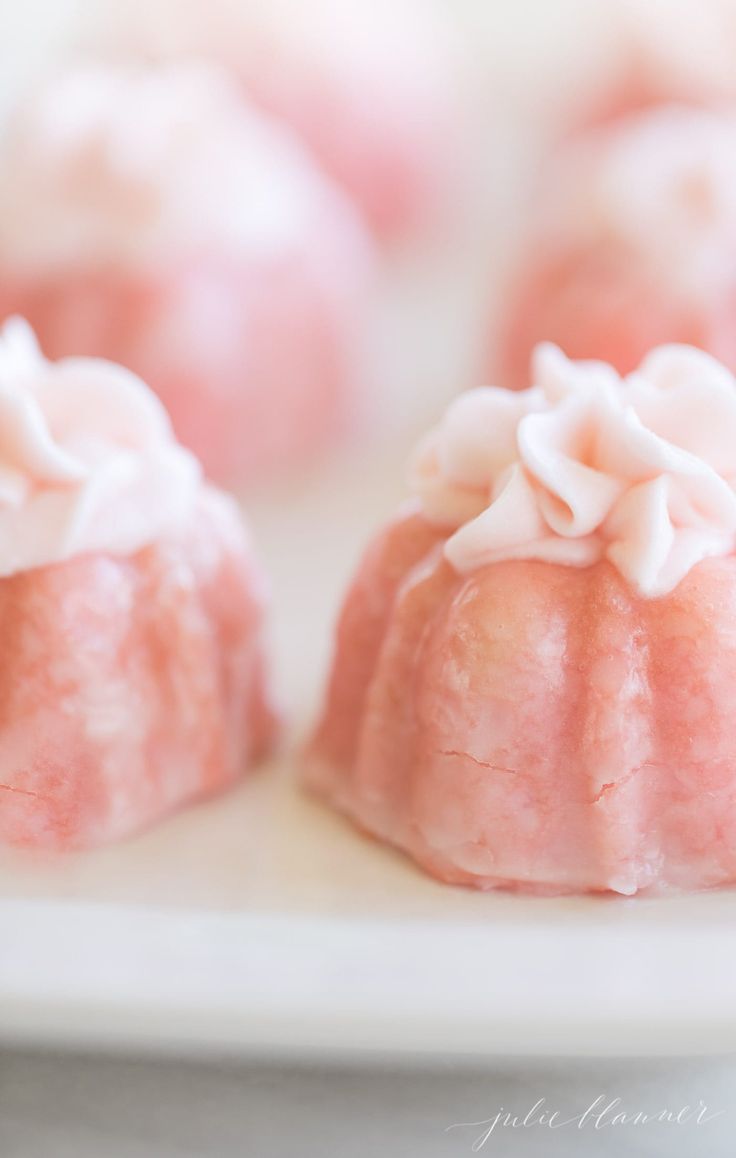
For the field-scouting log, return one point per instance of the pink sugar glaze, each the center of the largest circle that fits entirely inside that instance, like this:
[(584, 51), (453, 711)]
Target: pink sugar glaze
[(533, 726), (133, 685), (256, 366)]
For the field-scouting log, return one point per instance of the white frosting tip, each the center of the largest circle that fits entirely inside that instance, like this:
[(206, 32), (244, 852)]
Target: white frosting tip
[(88, 460), (586, 465)]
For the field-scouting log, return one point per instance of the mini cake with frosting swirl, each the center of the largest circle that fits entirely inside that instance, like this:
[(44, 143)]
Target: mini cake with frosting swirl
[(371, 88), (634, 245), (533, 682), (130, 604), (148, 215)]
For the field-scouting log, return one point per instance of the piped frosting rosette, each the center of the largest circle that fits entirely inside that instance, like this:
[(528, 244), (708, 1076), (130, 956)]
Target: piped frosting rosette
[(129, 166), (586, 465), (88, 460)]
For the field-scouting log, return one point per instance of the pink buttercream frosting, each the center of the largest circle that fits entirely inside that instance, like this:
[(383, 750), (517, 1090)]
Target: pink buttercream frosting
[(88, 460), (586, 465), (129, 165)]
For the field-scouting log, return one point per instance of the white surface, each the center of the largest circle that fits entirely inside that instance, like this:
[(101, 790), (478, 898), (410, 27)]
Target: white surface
[(55, 1106), (260, 922)]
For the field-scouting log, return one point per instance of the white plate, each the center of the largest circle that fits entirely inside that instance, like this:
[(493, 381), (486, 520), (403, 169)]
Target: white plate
[(260, 922)]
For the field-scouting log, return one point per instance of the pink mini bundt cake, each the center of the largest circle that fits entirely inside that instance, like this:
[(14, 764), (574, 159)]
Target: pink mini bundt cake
[(149, 216), (662, 51), (370, 88), (536, 664), (131, 610), (635, 246)]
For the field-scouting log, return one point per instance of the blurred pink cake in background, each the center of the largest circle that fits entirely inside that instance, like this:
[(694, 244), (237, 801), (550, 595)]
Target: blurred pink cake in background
[(149, 216), (131, 609), (665, 51), (371, 88), (535, 664), (633, 245)]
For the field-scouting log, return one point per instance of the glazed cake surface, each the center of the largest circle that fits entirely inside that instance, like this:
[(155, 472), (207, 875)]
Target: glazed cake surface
[(535, 726), (535, 663), (136, 684)]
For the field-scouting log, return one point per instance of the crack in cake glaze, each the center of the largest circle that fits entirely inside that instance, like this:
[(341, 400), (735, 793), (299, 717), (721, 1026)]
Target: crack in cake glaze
[(587, 465), (88, 459)]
